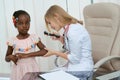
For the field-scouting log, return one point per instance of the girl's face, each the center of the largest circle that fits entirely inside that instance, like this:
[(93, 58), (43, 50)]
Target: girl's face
[(23, 24)]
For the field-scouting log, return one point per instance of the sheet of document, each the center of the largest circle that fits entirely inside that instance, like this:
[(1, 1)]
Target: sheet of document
[(58, 75)]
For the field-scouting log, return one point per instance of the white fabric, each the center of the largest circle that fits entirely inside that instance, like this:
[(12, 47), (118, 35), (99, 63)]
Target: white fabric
[(78, 44)]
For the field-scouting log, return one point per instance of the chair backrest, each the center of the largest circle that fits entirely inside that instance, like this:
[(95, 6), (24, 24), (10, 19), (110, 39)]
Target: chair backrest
[(102, 20)]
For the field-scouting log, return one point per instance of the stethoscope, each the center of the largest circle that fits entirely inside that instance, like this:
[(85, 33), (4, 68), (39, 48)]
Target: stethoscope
[(56, 61)]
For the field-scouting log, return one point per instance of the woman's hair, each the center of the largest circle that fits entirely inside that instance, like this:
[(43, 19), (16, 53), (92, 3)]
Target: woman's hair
[(16, 14), (64, 17)]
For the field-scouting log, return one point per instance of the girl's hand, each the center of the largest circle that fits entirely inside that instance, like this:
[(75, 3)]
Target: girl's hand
[(50, 52), (21, 55), (13, 58)]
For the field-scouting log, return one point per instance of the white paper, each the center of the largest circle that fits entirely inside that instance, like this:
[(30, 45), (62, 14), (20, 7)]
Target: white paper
[(58, 75)]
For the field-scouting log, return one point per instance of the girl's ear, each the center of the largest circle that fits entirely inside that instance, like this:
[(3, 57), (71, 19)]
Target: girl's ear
[(15, 25)]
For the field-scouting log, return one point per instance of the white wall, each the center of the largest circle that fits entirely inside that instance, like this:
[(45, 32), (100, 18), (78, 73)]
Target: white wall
[(113, 1)]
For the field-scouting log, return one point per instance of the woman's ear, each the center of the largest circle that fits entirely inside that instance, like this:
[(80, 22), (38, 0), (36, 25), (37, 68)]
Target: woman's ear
[(56, 18), (56, 15)]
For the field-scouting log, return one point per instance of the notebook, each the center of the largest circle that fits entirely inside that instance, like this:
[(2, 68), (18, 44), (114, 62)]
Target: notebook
[(58, 75)]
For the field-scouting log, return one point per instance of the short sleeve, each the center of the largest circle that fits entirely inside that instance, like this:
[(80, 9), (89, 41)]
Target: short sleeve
[(10, 42), (35, 38)]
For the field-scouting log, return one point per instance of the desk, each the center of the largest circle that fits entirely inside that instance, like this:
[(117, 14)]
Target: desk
[(35, 76), (32, 76)]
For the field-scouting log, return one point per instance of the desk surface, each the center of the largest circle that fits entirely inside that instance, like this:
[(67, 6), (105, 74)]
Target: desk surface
[(35, 76)]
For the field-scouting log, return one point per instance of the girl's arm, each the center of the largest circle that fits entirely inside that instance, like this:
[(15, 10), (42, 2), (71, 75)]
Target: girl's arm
[(9, 55), (41, 52)]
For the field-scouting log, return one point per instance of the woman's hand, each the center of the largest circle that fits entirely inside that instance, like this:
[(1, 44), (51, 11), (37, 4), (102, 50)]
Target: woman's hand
[(50, 52), (13, 58), (53, 52), (61, 39)]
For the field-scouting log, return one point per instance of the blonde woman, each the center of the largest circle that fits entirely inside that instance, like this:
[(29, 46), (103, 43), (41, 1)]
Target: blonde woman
[(76, 41)]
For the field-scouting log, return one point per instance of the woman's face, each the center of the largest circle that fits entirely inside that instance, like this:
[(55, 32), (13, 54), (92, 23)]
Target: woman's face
[(54, 24)]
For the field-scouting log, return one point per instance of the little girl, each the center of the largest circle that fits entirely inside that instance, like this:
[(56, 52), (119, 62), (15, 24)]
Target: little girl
[(23, 46)]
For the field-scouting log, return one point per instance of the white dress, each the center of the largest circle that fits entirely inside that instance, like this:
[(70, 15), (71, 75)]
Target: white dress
[(27, 64)]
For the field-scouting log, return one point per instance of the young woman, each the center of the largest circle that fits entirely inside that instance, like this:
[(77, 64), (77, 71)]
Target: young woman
[(76, 41)]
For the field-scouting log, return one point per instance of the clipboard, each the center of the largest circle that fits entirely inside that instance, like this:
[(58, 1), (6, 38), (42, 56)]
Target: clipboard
[(58, 75)]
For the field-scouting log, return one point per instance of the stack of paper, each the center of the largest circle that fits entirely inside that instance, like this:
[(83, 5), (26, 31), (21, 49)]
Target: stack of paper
[(58, 75)]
